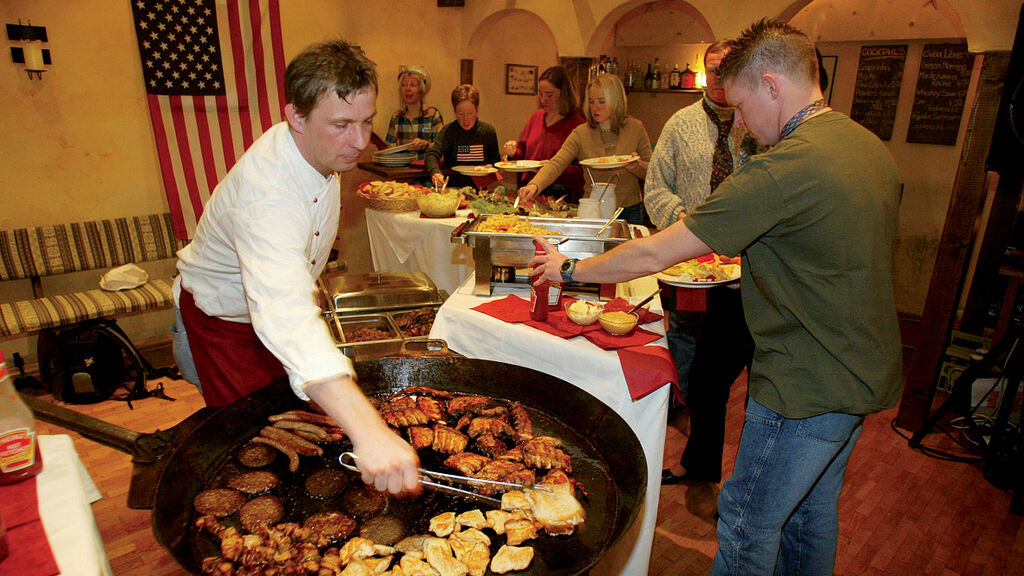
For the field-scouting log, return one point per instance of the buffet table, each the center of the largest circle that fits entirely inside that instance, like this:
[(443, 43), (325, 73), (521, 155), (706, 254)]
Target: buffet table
[(405, 242), (582, 364), (65, 493)]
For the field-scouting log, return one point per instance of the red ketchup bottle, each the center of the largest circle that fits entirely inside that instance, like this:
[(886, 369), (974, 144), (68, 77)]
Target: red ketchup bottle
[(19, 452), (539, 292)]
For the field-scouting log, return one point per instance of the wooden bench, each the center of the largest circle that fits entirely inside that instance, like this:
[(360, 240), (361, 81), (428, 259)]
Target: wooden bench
[(34, 253)]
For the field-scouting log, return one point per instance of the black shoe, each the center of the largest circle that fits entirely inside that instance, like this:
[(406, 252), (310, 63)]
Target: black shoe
[(668, 478)]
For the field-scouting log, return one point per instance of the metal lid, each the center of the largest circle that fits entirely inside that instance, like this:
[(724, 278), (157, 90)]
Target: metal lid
[(359, 293)]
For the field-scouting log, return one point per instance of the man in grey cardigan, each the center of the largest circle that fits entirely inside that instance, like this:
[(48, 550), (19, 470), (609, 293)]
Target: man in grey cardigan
[(710, 348)]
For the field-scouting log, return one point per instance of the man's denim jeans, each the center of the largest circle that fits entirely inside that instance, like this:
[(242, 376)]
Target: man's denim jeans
[(779, 510)]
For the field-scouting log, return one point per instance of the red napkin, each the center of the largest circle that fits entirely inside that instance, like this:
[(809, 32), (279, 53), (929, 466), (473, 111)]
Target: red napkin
[(511, 309), (606, 341), (647, 368), (30, 553), (418, 163)]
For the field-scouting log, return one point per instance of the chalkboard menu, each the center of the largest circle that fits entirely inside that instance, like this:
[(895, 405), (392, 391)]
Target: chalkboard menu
[(940, 94), (877, 91)]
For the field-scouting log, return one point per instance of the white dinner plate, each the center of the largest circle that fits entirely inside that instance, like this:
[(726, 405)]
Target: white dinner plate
[(393, 149), (608, 162), (518, 165), (475, 170), (675, 281)]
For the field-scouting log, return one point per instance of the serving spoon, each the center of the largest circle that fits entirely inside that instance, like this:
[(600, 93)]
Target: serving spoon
[(609, 222)]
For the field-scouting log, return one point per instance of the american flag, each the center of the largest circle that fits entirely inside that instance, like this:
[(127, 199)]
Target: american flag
[(214, 73), (470, 153)]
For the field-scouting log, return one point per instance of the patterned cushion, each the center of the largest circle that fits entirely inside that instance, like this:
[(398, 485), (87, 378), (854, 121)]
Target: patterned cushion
[(55, 311), (47, 250)]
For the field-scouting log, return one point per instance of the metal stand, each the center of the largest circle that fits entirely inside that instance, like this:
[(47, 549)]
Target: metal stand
[(1003, 455)]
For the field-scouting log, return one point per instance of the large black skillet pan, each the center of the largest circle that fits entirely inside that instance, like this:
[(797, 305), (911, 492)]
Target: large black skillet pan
[(607, 457)]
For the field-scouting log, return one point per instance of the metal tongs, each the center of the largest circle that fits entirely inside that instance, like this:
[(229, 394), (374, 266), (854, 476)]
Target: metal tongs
[(351, 462)]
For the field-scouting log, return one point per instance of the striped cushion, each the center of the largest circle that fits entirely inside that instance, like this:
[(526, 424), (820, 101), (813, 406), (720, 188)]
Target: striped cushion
[(55, 311), (46, 250)]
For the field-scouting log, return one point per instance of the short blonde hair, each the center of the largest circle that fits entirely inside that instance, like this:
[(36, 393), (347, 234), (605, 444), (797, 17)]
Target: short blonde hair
[(614, 96), (464, 92)]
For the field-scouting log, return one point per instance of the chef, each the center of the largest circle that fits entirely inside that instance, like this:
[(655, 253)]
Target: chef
[(246, 283)]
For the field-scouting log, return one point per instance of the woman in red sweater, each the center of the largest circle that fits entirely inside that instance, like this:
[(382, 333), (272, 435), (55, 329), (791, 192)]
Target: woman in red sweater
[(547, 129)]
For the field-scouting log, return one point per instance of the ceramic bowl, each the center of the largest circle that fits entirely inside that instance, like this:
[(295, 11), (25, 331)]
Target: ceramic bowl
[(618, 323), (586, 316)]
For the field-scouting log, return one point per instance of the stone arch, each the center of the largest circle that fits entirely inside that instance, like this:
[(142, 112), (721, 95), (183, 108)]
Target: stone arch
[(484, 28), (604, 30)]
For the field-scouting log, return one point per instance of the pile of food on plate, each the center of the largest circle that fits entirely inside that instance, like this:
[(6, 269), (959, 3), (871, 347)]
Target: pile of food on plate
[(709, 268), (499, 199)]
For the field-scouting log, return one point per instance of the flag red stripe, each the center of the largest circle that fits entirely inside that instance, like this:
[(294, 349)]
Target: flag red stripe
[(256, 24), (205, 142), (277, 43), (241, 87), (227, 141), (166, 170), (185, 153)]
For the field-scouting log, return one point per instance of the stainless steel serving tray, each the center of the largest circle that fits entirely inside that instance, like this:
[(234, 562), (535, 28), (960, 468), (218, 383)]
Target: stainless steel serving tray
[(576, 238), (353, 294), (369, 349)]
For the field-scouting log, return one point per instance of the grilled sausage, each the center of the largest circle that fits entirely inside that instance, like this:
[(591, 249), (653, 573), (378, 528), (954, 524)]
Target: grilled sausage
[(303, 416), (300, 445), (293, 456)]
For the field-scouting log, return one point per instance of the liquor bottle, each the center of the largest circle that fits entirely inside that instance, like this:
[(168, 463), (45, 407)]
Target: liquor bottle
[(687, 79), (649, 78), (19, 451), (629, 80), (539, 292), (657, 75), (673, 78)]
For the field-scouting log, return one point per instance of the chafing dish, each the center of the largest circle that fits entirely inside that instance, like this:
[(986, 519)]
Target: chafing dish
[(578, 237), (342, 329), (348, 294)]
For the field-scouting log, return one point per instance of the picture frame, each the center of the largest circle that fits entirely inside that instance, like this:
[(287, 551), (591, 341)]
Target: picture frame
[(829, 63), (520, 79)]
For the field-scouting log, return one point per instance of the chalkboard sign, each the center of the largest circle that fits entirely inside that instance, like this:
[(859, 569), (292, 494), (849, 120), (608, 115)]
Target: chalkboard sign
[(940, 94), (877, 91)]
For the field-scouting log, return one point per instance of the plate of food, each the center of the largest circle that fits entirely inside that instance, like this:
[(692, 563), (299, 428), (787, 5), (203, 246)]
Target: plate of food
[(475, 170), (519, 165), (609, 162), (703, 272)]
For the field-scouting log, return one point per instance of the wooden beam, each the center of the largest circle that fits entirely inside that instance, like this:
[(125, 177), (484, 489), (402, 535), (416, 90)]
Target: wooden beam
[(954, 246)]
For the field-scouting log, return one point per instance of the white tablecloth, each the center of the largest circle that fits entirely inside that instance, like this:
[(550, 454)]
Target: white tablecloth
[(65, 493), (582, 364), (404, 242)]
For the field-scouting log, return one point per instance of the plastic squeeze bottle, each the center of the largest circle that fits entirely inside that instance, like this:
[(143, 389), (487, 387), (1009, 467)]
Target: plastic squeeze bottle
[(19, 451)]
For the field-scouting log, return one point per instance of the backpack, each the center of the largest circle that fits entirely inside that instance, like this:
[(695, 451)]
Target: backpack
[(88, 362)]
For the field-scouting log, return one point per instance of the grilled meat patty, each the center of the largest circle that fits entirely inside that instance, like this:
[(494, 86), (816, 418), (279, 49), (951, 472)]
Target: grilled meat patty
[(326, 483), (218, 502), (254, 482), (266, 510)]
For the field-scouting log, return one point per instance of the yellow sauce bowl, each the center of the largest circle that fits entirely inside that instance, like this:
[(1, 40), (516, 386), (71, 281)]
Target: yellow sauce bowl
[(618, 323)]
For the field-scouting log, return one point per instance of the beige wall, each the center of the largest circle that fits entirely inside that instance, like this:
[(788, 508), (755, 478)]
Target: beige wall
[(77, 144)]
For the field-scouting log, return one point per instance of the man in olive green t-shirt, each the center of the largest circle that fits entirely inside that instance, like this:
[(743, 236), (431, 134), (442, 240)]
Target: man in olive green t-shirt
[(815, 219)]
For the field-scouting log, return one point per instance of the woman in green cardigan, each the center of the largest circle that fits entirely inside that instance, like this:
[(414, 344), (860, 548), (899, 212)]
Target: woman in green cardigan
[(608, 131)]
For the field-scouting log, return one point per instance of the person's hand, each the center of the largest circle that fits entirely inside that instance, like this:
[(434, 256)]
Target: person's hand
[(509, 148), (548, 264), (438, 180), (634, 167), (418, 144), (386, 461), (528, 193)]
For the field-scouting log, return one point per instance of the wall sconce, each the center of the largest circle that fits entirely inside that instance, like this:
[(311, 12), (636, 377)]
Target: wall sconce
[(31, 53)]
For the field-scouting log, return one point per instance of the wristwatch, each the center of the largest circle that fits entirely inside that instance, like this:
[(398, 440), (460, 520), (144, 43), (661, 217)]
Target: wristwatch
[(568, 269)]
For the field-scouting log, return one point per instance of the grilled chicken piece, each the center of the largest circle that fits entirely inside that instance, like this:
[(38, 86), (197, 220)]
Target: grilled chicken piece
[(425, 391), (464, 421), (519, 530), (472, 519), (521, 421), (475, 555), (557, 511), (524, 476), (466, 462), (460, 405), (398, 403), (438, 553), (449, 440), (496, 520), (415, 566), (514, 500), (515, 454), (511, 558), (495, 426), (500, 470), (421, 437), (405, 417), (491, 445), (543, 452), (443, 524), (433, 408)]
